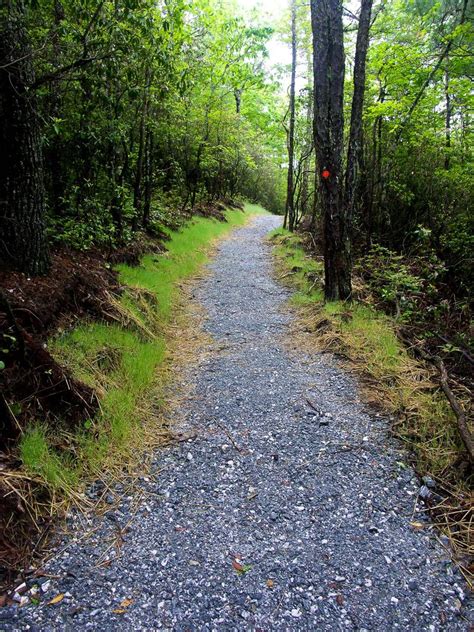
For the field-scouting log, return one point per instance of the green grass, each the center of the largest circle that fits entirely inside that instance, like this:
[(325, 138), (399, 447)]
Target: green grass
[(40, 460), (392, 378), (121, 360)]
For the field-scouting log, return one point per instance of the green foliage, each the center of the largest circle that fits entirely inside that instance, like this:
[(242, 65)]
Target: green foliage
[(418, 171), (39, 458), (148, 124), (389, 279)]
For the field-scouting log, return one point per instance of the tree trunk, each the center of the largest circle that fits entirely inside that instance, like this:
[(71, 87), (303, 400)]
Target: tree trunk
[(290, 192), (238, 99), (308, 151), (148, 179), (447, 157), (328, 68), (355, 149), (23, 243), (137, 187)]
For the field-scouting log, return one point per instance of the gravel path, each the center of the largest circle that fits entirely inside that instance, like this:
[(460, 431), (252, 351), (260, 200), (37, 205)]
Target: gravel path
[(277, 517)]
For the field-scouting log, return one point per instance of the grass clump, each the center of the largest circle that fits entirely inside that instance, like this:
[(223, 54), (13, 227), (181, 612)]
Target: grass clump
[(40, 459), (125, 362)]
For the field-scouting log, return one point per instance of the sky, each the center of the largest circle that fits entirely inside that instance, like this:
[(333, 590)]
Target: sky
[(279, 53)]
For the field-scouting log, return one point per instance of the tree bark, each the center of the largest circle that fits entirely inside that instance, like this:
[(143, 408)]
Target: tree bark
[(290, 192), (328, 68), (148, 179), (447, 157), (137, 187), (355, 148), (305, 192), (23, 243)]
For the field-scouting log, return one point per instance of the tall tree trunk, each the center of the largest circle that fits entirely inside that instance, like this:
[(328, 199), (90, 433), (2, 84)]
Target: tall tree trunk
[(290, 192), (23, 243), (355, 148), (137, 187), (148, 179), (308, 152), (372, 203), (238, 99), (328, 67), (447, 158)]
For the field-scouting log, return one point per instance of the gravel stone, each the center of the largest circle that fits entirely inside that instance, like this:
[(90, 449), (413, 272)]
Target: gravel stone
[(267, 519)]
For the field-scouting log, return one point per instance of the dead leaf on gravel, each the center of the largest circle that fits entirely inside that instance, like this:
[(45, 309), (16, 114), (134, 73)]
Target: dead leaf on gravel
[(126, 602), (240, 568), (237, 566), (123, 606), (56, 599), (417, 525)]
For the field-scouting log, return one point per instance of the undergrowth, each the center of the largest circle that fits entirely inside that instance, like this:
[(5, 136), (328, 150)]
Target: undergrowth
[(124, 362)]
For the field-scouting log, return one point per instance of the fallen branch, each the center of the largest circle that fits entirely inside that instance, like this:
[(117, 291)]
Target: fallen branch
[(228, 435), (456, 407)]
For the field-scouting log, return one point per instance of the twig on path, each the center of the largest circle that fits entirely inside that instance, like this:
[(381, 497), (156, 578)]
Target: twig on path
[(311, 405), (229, 436), (344, 447), (117, 539), (181, 438)]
